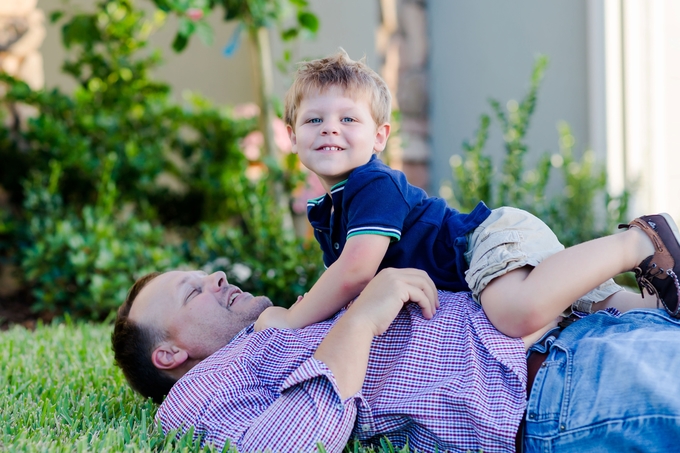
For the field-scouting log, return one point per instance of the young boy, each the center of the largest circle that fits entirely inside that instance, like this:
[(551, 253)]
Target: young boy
[(337, 114)]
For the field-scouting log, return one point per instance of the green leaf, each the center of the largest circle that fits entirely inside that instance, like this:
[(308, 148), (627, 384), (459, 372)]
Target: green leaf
[(180, 42), (299, 3), (308, 21), (55, 16), (186, 27), (82, 29), (289, 34), (163, 5), (204, 32)]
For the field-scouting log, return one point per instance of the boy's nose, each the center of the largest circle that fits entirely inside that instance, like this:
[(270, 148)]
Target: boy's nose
[(216, 281), (329, 129)]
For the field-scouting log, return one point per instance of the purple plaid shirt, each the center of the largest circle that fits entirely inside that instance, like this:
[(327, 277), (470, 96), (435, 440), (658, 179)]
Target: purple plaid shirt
[(452, 382)]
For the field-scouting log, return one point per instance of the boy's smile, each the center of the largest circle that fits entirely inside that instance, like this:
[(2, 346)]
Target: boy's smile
[(335, 133)]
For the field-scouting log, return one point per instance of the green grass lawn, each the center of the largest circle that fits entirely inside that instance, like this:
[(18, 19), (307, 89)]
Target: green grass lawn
[(62, 393)]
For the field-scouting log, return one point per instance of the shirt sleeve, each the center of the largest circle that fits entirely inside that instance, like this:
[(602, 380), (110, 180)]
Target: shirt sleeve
[(305, 411), (308, 412), (375, 204)]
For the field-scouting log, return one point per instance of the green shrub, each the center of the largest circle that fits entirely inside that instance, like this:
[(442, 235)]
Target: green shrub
[(262, 256), (117, 108), (88, 209), (83, 261)]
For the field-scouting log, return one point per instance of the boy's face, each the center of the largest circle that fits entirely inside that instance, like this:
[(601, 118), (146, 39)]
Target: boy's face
[(334, 134)]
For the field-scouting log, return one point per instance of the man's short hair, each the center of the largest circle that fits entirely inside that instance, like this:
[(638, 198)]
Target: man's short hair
[(338, 70), (133, 344)]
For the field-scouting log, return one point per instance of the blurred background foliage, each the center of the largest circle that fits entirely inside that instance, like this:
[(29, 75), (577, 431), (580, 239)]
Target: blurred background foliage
[(116, 179), (566, 190), (577, 205)]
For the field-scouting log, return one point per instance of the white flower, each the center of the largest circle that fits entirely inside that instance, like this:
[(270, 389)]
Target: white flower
[(241, 272)]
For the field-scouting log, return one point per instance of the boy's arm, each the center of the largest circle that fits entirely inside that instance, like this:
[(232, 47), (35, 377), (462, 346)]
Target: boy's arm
[(342, 282)]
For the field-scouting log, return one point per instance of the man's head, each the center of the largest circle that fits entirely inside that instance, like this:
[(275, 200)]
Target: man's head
[(337, 113), (171, 321)]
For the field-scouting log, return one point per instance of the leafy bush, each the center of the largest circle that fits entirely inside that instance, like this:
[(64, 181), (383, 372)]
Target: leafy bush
[(261, 257), (84, 260), (583, 210), (118, 109), (99, 180)]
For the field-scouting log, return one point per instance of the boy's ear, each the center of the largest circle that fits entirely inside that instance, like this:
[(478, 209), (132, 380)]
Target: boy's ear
[(381, 136), (168, 357), (293, 139)]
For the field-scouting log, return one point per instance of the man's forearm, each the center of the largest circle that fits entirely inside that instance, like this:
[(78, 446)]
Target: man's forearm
[(346, 348), (345, 351)]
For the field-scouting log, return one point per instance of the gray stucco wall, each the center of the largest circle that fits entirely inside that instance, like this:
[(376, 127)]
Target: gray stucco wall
[(485, 49)]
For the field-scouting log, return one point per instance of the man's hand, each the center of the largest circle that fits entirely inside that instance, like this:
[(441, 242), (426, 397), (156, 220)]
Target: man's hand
[(385, 296), (276, 317)]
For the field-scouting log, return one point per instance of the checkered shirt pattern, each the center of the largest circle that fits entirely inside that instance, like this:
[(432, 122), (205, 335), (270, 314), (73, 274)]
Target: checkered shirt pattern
[(453, 383)]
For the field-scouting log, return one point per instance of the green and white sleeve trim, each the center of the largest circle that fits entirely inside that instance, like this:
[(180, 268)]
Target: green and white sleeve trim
[(380, 231)]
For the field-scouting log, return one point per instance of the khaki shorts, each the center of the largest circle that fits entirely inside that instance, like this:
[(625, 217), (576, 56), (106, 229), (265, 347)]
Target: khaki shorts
[(511, 238)]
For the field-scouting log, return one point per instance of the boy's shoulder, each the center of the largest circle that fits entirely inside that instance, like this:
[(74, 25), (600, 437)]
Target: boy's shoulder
[(376, 169), (376, 180)]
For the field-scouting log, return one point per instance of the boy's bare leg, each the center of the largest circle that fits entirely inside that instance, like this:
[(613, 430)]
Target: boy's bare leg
[(626, 300), (524, 300)]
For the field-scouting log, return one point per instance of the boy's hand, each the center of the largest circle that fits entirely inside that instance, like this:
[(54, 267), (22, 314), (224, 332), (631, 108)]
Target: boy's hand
[(299, 298), (276, 317)]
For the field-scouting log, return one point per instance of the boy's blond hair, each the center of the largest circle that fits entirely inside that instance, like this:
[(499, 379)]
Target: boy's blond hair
[(355, 78)]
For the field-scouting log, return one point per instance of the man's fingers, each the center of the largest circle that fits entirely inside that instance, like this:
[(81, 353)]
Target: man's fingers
[(427, 291), (427, 305)]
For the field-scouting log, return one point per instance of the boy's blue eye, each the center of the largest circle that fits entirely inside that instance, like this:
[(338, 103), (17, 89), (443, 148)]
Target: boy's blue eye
[(315, 120), (347, 120)]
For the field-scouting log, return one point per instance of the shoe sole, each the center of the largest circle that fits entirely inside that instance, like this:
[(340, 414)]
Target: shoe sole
[(674, 229), (676, 257)]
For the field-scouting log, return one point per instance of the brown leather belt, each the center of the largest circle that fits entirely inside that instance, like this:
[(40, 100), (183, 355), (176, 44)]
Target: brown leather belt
[(534, 363)]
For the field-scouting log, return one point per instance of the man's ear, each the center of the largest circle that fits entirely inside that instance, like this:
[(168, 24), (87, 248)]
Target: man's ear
[(382, 133), (293, 139), (168, 357)]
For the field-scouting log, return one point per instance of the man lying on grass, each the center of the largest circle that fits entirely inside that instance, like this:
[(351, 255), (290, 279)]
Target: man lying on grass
[(433, 377)]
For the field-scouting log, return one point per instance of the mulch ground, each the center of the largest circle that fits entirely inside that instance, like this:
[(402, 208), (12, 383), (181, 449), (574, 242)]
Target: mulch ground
[(16, 309)]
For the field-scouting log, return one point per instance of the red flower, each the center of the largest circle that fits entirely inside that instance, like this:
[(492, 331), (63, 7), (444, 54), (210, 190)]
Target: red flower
[(195, 14)]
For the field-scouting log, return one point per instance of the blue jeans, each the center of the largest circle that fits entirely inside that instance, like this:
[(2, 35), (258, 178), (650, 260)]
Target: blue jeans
[(609, 384)]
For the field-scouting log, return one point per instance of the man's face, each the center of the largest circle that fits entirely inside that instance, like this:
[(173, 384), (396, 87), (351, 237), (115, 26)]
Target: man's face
[(335, 133), (199, 312)]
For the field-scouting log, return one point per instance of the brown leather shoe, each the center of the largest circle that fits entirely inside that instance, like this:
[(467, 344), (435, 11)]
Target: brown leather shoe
[(658, 273)]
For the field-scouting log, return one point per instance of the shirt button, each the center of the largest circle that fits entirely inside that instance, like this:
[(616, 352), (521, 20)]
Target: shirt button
[(340, 407), (336, 246), (532, 415), (365, 427)]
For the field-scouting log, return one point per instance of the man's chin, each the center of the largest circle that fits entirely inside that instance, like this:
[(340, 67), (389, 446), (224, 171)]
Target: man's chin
[(264, 301), (256, 305)]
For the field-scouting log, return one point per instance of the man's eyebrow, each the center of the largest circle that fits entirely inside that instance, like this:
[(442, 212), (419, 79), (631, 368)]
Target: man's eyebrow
[(179, 286)]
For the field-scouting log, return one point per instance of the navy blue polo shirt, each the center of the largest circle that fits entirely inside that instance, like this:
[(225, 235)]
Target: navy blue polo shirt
[(375, 199)]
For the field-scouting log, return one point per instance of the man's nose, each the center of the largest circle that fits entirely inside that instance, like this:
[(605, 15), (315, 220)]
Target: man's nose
[(216, 281)]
